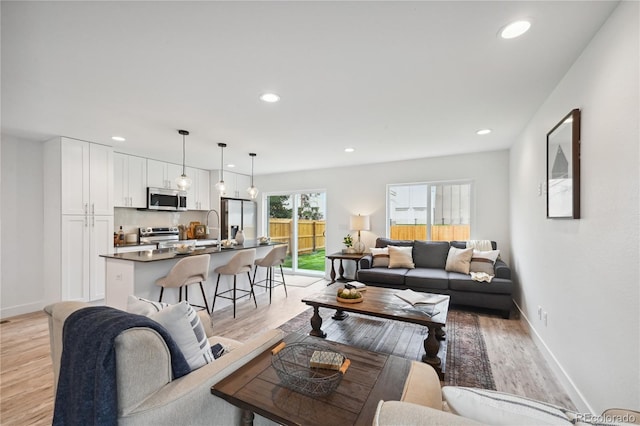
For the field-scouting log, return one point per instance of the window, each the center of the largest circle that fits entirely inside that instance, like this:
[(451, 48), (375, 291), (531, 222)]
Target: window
[(430, 211)]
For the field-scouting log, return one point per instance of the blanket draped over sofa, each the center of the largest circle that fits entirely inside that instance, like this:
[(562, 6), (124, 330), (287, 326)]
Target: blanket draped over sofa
[(86, 391)]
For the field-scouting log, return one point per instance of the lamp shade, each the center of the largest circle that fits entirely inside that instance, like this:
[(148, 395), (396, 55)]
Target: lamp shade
[(359, 223)]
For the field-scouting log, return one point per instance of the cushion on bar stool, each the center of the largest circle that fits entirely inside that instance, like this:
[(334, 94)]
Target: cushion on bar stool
[(274, 258), (240, 263), (188, 270)]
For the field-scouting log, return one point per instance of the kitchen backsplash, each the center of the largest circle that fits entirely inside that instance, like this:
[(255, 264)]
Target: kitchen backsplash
[(132, 219)]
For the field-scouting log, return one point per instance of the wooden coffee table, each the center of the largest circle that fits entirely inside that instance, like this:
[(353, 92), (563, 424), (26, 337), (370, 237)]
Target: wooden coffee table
[(383, 303), (255, 387)]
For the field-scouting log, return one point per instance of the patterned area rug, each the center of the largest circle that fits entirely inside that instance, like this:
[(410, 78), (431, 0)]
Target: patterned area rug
[(467, 360)]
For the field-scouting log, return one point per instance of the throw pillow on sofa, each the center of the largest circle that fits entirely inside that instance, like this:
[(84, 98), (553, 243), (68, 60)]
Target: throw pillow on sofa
[(140, 306), (183, 324), (497, 408), (483, 261), (459, 260), (380, 257), (401, 257)]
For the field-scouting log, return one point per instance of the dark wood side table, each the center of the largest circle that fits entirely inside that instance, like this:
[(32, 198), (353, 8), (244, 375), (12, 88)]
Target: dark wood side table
[(343, 256)]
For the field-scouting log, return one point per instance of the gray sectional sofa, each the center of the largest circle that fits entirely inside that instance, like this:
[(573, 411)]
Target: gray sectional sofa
[(429, 275)]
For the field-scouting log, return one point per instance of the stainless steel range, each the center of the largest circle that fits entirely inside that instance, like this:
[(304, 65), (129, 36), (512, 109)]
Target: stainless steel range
[(163, 236), (167, 237)]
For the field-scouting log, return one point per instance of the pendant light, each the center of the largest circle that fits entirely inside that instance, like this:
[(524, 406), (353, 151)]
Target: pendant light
[(252, 190), (183, 182), (220, 186)]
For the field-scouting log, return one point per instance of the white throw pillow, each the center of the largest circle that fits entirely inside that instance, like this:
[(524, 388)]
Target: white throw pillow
[(140, 306), (401, 257), (483, 261), (497, 408), (459, 260), (183, 324), (380, 257)]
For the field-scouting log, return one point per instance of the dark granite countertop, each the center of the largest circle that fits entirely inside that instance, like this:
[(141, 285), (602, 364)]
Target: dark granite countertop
[(171, 253)]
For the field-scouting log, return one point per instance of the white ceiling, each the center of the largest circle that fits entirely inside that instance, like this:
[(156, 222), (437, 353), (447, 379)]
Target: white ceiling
[(394, 80)]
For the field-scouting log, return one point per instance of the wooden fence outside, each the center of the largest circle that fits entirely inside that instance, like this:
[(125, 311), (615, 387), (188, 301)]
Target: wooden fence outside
[(310, 233), (438, 232)]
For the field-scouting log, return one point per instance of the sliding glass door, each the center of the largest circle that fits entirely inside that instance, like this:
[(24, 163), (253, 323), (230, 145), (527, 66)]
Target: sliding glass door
[(298, 219)]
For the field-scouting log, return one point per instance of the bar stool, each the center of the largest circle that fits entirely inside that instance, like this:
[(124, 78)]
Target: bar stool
[(241, 262), (186, 271), (274, 258)]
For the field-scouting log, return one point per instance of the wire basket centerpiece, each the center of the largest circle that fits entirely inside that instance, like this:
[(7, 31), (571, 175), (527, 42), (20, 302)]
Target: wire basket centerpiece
[(308, 368)]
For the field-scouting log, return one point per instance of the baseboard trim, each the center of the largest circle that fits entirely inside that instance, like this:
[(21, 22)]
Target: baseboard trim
[(572, 390), (28, 308)]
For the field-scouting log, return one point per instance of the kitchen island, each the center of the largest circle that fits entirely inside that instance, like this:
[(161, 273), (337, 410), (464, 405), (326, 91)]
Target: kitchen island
[(136, 273)]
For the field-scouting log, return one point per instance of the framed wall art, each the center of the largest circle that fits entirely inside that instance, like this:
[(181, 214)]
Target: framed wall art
[(563, 168)]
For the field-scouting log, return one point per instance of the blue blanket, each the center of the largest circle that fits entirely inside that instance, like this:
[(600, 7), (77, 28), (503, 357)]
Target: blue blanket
[(87, 393)]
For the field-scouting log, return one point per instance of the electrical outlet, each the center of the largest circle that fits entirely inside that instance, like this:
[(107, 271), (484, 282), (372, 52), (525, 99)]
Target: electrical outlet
[(539, 312), (544, 318), (539, 189)]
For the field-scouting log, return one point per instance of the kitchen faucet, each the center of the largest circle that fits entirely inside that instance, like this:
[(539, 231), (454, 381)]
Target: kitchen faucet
[(218, 216)]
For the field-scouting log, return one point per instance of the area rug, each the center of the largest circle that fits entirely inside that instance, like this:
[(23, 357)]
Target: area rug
[(467, 360), (299, 280)]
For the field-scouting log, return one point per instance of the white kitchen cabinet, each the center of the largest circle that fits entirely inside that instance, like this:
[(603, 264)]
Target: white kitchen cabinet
[(243, 182), (83, 240), (162, 175), (78, 218), (236, 184), (130, 180), (198, 196), (87, 177)]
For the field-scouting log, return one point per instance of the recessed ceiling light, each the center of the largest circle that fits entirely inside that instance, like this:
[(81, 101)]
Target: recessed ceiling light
[(118, 138), (231, 166), (269, 97), (515, 29), (349, 149), (483, 132)]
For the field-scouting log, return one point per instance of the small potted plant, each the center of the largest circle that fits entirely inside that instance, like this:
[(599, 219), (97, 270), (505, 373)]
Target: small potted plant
[(348, 241)]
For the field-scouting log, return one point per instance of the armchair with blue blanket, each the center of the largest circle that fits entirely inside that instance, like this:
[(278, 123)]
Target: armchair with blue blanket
[(147, 392)]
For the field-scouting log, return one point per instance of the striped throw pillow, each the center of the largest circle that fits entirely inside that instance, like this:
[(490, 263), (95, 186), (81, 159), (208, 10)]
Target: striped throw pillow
[(184, 325)]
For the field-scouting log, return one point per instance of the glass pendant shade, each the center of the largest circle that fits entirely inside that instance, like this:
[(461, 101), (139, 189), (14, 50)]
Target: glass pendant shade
[(183, 182), (220, 186), (252, 190)]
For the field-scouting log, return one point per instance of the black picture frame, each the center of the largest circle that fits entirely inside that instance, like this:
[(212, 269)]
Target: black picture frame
[(563, 168)]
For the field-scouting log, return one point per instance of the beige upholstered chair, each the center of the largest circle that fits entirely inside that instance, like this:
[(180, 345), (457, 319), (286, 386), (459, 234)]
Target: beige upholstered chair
[(274, 258), (240, 263), (188, 270)]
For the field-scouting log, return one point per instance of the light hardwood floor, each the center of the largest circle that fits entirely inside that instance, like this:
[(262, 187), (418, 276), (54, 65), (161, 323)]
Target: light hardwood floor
[(26, 391)]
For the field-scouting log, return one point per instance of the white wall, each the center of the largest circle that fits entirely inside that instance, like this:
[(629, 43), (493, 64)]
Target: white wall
[(22, 284), (362, 190), (585, 273)]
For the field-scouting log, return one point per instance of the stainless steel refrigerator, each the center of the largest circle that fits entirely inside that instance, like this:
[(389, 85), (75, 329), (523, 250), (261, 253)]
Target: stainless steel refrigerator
[(238, 214)]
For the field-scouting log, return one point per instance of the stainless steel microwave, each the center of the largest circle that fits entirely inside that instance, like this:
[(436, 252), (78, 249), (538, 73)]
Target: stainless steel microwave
[(166, 199)]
